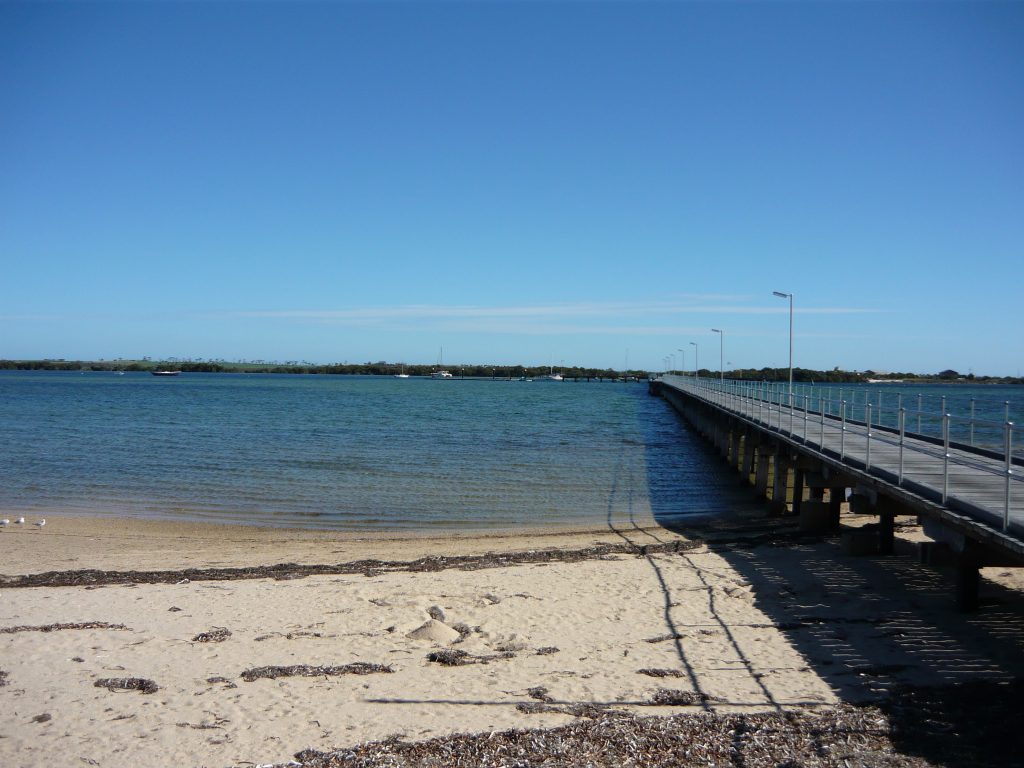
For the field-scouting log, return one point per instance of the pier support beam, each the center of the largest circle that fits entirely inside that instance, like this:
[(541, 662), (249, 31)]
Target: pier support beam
[(780, 481), (836, 497), (764, 455), (967, 578), (734, 446), (886, 525), (798, 489), (747, 460)]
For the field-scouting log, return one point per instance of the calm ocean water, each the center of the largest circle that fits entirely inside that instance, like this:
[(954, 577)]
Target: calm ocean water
[(362, 453)]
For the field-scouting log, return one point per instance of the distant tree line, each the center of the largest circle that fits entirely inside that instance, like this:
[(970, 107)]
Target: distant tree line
[(837, 376), (382, 368)]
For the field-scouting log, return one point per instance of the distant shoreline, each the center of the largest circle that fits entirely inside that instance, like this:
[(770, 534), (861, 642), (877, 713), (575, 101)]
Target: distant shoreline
[(477, 371)]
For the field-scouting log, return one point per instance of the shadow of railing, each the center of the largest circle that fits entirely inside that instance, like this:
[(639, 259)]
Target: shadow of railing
[(880, 631), (622, 495)]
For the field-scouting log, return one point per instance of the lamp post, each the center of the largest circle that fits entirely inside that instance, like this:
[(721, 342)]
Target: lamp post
[(696, 359), (721, 353), (789, 296), (682, 361)]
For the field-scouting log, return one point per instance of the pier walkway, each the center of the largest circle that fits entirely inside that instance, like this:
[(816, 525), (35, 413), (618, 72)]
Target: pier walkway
[(970, 497)]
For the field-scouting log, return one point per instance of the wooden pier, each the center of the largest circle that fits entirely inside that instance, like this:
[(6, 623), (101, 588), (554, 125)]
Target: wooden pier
[(808, 462)]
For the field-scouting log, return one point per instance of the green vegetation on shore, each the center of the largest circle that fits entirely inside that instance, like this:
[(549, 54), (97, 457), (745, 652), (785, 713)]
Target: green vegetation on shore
[(382, 368)]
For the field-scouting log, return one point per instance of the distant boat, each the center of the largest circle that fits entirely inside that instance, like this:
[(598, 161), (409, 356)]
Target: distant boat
[(885, 381), (441, 373), (552, 376), (402, 375), (165, 373)]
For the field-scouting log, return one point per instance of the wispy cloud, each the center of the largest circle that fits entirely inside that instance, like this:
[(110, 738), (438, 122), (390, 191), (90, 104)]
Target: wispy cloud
[(580, 329), (609, 317), (29, 318)]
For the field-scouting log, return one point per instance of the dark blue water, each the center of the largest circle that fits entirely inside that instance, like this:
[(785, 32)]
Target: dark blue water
[(370, 453)]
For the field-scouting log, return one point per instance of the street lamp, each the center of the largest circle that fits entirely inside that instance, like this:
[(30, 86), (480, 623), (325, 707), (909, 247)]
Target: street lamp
[(721, 354), (682, 361), (789, 296), (696, 359)]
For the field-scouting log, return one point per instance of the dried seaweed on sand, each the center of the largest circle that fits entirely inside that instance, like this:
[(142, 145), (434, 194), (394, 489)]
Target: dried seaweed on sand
[(660, 672), (289, 635), (128, 684), (540, 693), (843, 736), (593, 711), (279, 571), (667, 697), (307, 670), (457, 658), (215, 635), (60, 627)]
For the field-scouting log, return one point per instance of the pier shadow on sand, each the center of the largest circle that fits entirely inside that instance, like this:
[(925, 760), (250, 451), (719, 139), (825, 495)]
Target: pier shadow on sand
[(880, 631)]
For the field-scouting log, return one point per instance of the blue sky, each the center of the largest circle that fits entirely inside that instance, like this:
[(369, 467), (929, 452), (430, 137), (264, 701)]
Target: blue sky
[(515, 182)]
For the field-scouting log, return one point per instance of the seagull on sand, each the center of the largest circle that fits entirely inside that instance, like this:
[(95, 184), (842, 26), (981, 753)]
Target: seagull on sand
[(41, 523), (5, 521), (20, 521)]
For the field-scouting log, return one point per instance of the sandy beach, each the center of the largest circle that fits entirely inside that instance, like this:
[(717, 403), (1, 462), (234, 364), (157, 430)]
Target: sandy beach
[(419, 637)]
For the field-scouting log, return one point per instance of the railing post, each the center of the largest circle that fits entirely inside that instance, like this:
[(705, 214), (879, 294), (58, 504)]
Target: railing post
[(807, 399), (821, 438), (972, 423), (842, 433), (867, 452), (945, 456), (903, 433), (919, 406), (1008, 429)]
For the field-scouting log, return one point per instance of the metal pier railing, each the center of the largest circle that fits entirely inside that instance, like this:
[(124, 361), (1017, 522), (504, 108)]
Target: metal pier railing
[(966, 463)]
